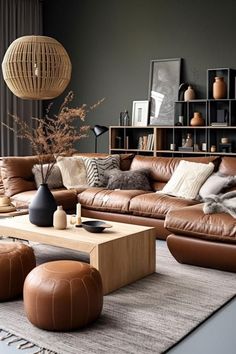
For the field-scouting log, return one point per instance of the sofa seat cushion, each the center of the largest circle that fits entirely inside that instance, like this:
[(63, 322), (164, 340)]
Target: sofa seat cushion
[(102, 199), (157, 205), (64, 197), (191, 221)]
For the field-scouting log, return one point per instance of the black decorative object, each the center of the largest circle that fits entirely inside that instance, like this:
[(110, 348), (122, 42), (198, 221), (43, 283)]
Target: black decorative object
[(124, 118), (182, 88), (42, 207), (98, 130), (95, 226), (226, 148)]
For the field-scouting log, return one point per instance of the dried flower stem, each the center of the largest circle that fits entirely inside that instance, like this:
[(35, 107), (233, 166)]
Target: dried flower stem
[(56, 135)]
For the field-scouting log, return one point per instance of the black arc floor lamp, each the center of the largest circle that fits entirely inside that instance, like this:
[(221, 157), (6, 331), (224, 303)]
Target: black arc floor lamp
[(98, 130)]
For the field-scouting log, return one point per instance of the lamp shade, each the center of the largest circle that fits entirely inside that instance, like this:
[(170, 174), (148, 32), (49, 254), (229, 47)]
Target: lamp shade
[(36, 67), (99, 130)]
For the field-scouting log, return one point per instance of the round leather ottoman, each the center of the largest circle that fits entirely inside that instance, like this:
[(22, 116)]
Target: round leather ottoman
[(16, 261), (63, 295)]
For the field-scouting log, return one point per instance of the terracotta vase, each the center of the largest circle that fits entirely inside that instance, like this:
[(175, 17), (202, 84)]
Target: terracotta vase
[(197, 119), (219, 88), (189, 94), (42, 207), (59, 219)]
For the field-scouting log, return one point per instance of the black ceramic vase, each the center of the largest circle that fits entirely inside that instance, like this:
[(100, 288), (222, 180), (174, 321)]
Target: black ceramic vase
[(42, 207)]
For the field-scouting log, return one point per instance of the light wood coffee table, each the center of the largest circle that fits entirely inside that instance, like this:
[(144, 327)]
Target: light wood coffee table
[(122, 254)]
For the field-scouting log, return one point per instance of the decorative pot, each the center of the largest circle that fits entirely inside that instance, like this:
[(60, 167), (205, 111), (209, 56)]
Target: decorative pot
[(42, 207), (189, 94), (197, 119), (219, 88)]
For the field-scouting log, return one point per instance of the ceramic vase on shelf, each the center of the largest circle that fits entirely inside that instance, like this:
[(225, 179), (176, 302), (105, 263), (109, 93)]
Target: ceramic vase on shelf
[(188, 141), (189, 94), (59, 219), (197, 119), (219, 88), (42, 207)]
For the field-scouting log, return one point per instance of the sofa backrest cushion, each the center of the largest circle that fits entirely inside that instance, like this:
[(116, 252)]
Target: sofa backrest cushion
[(17, 175), (125, 159), (228, 165), (162, 168)]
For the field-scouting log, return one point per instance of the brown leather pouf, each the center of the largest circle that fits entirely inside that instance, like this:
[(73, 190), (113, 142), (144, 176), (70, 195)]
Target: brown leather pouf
[(16, 261), (63, 295)]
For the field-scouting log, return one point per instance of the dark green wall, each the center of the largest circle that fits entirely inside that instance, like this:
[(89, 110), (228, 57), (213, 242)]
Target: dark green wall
[(111, 43)]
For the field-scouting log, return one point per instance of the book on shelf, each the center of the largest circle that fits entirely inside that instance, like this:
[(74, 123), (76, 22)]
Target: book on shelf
[(185, 148), (152, 142), (146, 142), (126, 142), (219, 124), (145, 139)]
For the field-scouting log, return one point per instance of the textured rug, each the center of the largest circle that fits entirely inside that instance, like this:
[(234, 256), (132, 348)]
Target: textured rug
[(148, 316)]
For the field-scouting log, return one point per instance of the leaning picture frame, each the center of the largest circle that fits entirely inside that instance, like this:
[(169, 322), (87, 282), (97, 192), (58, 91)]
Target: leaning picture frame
[(140, 113), (164, 81)]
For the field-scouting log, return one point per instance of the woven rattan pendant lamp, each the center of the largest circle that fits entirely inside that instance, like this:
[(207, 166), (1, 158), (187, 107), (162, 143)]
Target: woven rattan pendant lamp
[(36, 68)]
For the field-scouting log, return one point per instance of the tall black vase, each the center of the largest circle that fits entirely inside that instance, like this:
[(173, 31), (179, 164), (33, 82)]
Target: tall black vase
[(42, 207)]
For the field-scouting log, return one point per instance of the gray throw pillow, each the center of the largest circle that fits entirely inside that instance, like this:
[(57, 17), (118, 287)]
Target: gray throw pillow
[(54, 180), (215, 184), (96, 168), (136, 179)]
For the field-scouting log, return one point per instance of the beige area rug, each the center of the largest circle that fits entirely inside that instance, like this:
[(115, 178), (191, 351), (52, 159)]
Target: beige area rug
[(148, 316)]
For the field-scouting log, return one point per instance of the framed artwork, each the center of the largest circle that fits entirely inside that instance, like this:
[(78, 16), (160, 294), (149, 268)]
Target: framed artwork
[(164, 84), (140, 113)]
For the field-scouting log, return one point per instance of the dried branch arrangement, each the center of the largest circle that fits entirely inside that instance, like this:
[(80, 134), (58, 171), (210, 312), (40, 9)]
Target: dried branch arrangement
[(54, 135)]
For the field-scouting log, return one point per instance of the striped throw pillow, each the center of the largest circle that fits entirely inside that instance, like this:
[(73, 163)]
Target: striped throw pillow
[(96, 168)]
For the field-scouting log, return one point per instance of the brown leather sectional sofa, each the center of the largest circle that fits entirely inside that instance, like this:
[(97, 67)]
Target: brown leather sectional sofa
[(193, 237)]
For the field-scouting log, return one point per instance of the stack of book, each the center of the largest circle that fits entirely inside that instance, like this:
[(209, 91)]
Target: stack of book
[(146, 142)]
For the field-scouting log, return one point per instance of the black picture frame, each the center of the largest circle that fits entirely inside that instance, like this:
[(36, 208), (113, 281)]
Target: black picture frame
[(164, 81)]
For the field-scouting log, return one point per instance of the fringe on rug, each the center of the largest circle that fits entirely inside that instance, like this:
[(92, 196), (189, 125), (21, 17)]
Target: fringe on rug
[(24, 343)]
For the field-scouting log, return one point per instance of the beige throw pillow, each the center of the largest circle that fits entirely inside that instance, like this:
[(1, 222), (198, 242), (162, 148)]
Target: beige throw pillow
[(54, 180), (187, 179), (73, 172)]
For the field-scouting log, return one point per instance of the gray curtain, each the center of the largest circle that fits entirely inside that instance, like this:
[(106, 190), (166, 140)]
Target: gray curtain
[(17, 18)]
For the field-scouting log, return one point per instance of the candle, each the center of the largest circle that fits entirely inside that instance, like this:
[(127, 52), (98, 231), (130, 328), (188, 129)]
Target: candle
[(78, 213), (78, 210)]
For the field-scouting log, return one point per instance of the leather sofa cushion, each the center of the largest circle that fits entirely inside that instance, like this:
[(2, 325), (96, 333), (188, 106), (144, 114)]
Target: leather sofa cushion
[(64, 197), (156, 205), (193, 222), (162, 168), (102, 199), (228, 165), (17, 174)]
